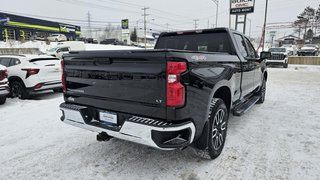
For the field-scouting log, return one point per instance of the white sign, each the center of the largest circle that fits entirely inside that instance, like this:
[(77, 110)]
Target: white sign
[(242, 6)]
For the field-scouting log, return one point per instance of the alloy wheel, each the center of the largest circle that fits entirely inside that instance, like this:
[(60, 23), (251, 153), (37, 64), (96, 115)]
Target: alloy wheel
[(218, 129)]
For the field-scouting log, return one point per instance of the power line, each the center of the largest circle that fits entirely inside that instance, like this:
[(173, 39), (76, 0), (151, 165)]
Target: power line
[(140, 6), (97, 6), (56, 18)]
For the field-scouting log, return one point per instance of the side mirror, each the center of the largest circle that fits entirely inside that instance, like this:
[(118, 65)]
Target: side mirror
[(265, 55)]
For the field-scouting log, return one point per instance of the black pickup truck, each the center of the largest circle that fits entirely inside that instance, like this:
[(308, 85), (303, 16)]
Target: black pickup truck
[(176, 95)]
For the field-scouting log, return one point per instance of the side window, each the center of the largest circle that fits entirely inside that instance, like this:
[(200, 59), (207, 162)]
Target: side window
[(65, 49), (241, 45), (252, 53), (14, 62), (5, 61)]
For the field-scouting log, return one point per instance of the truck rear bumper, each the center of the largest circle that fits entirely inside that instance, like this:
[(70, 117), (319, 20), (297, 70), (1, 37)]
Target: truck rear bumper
[(150, 132)]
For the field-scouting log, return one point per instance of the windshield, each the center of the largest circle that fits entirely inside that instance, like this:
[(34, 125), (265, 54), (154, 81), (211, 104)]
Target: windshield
[(53, 49), (208, 42), (277, 49)]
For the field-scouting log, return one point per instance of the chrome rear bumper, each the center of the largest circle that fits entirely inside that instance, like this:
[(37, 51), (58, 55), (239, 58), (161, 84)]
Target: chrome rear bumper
[(135, 129)]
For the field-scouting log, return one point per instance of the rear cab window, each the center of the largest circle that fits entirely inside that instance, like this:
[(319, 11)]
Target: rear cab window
[(204, 42)]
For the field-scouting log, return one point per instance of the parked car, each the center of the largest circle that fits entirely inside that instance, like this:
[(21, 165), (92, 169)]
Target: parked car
[(279, 56), (92, 41), (173, 96), (65, 47), (292, 50), (112, 42), (83, 39), (31, 74), (4, 84), (58, 51), (309, 50), (57, 37)]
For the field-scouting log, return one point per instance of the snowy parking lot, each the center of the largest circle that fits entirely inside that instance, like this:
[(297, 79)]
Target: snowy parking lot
[(279, 139)]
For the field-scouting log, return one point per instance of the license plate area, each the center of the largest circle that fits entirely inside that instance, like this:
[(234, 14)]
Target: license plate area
[(108, 117)]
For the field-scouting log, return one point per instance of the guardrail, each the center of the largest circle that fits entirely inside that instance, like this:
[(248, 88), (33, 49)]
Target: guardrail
[(307, 60), (19, 51)]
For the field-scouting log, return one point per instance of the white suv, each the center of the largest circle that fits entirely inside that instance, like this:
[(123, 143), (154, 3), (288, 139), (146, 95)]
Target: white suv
[(57, 37), (30, 74), (4, 88)]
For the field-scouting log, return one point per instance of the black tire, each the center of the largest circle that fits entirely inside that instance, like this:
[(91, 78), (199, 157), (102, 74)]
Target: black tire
[(262, 92), (18, 90), (285, 65), (218, 125), (2, 99)]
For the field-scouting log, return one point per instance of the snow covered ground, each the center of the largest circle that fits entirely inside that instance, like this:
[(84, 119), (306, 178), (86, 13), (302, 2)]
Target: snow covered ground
[(279, 139), (43, 47)]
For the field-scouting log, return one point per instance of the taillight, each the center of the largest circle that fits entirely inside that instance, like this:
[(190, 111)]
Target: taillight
[(175, 90), (3, 74), (63, 78), (38, 86), (31, 71)]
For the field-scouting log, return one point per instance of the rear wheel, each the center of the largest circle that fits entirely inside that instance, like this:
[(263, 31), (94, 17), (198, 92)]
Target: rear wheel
[(262, 92), (218, 123), (2, 99), (18, 90)]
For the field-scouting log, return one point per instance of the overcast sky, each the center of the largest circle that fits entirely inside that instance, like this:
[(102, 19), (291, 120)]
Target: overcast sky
[(179, 14)]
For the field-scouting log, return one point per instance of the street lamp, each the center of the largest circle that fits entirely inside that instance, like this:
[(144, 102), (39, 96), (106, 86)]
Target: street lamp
[(217, 13)]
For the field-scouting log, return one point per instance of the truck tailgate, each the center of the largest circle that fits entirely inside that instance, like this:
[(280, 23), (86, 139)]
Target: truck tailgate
[(122, 81)]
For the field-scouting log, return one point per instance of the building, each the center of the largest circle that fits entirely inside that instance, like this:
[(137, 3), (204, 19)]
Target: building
[(13, 27), (290, 39)]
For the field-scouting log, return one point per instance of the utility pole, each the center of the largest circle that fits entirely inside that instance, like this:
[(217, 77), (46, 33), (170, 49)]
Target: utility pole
[(145, 25), (264, 25), (167, 24), (196, 23), (217, 13), (89, 24), (249, 27), (230, 14)]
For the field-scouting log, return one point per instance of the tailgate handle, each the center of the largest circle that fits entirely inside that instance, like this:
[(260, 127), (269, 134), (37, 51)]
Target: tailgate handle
[(102, 61)]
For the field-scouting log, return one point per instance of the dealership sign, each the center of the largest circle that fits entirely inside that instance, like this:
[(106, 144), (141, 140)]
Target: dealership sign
[(125, 24), (241, 6)]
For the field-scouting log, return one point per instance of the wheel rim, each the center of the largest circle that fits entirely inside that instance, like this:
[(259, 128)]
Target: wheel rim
[(218, 129), (16, 90)]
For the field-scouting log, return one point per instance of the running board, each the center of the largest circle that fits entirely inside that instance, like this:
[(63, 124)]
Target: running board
[(244, 107)]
